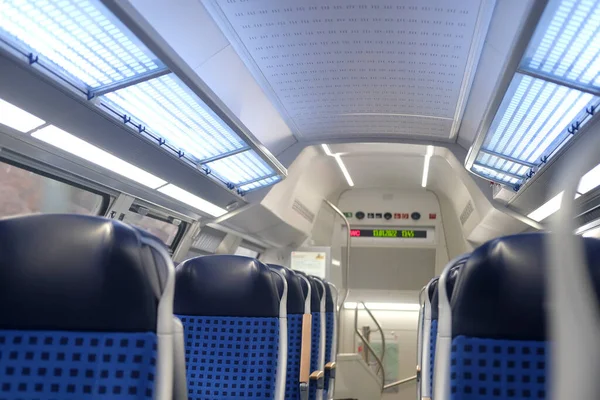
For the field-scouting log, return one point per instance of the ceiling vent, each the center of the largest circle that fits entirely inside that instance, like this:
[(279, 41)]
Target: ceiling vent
[(466, 213), (303, 211)]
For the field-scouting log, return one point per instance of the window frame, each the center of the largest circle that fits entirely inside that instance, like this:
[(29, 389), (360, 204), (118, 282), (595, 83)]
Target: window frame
[(106, 198), (161, 216)]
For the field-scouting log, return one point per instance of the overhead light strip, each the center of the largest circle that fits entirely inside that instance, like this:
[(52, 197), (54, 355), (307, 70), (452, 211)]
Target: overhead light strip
[(426, 162), (81, 42), (349, 305), (86, 151), (547, 209), (17, 118), (340, 163), (190, 199), (553, 93)]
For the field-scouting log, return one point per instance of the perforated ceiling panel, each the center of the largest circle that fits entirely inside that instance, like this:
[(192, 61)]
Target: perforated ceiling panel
[(361, 69)]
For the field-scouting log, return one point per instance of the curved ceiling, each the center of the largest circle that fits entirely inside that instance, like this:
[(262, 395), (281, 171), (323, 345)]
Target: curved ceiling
[(371, 69)]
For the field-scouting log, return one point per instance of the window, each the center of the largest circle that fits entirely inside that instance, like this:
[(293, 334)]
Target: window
[(160, 227), (26, 192)]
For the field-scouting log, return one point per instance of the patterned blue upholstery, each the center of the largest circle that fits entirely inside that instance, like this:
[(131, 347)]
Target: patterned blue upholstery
[(76, 365), (314, 351), (230, 357), (329, 318), (294, 349), (482, 369), (432, 341)]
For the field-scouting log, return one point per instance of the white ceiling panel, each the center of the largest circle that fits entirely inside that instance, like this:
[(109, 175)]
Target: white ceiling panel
[(373, 68)]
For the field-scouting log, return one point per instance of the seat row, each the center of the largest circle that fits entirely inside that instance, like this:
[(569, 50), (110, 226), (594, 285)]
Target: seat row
[(482, 327), (93, 308)]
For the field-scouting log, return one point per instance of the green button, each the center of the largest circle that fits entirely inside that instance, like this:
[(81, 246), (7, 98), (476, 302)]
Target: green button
[(348, 214)]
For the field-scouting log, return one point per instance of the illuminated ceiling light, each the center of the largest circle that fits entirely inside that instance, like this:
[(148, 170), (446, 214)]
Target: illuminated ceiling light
[(19, 119), (327, 150), (590, 180), (547, 209), (594, 233), (192, 200), (428, 155), (80, 37), (80, 148), (336, 262), (549, 95), (349, 305), (342, 166)]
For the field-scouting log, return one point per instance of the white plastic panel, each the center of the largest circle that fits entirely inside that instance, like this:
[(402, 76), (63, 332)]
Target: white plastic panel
[(363, 69)]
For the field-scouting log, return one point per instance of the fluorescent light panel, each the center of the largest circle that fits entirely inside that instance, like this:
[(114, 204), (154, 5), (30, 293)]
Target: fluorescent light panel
[(192, 200), (349, 305), (342, 166), (547, 209), (533, 118), (80, 37), (336, 262), (594, 233), (426, 161), (84, 43), (242, 167), (17, 118), (566, 44), (82, 149)]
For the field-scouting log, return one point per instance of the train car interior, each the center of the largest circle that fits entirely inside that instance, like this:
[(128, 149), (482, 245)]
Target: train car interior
[(300, 199)]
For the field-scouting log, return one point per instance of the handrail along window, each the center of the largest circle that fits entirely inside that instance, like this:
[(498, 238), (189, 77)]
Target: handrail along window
[(82, 45)]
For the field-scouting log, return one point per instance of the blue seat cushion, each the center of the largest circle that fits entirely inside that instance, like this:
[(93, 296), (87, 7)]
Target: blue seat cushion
[(482, 369), (76, 365), (432, 342), (230, 357), (292, 389)]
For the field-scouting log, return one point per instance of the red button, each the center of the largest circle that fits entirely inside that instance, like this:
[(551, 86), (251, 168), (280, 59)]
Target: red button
[(432, 216)]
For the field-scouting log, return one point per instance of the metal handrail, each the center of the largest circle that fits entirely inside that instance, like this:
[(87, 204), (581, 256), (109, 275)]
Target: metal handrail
[(400, 382), (368, 345), (340, 305)]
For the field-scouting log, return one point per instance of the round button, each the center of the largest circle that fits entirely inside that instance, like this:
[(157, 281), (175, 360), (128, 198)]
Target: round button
[(387, 215), (360, 215), (416, 216)]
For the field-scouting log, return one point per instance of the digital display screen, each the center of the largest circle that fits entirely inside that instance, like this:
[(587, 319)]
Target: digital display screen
[(389, 233)]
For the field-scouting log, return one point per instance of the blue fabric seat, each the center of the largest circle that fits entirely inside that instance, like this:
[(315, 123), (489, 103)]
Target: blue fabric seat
[(230, 308), (429, 336), (79, 314), (499, 344), (295, 312)]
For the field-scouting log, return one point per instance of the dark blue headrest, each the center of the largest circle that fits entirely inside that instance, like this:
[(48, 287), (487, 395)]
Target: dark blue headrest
[(329, 306), (74, 272), (226, 286), (315, 298), (453, 277), (500, 293), (295, 297)]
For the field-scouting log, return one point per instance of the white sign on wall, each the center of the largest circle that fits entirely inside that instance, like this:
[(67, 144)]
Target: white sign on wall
[(310, 262)]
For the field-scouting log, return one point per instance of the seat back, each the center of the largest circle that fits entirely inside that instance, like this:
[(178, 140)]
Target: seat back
[(317, 351), (429, 334), (446, 284), (230, 309), (295, 314), (83, 313), (330, 337), (499, 347), (420, 334)]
